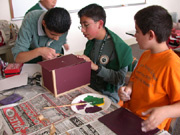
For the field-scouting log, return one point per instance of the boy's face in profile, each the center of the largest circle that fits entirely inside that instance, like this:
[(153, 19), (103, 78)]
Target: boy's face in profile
[(51, 34), (142, 39), (89, 27)]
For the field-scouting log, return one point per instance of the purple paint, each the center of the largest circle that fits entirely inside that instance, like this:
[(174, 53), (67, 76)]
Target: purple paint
[(80, 107), (93, 109)]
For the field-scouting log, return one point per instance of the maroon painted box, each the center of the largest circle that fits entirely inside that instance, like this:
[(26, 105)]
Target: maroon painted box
[(65, 73)]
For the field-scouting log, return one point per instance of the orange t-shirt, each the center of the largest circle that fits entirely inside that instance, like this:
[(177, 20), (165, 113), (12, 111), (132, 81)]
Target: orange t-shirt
[(156, 82)]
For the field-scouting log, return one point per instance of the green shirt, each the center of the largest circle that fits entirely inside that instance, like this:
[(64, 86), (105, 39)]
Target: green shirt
[(31, 35), (35, 7)]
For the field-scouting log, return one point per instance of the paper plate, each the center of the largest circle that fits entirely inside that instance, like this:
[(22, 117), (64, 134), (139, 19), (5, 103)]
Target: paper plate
[(107, 103)]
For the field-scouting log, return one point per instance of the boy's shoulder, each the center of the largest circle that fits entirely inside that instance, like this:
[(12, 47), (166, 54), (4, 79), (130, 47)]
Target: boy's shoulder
[(171, 58), (112, 33), (116, 39), (32, 19), (35, 7), (34, 15)]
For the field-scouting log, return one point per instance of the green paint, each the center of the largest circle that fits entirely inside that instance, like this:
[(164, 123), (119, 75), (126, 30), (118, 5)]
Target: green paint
[(94, 100)]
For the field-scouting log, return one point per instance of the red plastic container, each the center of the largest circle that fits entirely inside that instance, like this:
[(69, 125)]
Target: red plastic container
[(13, 69)]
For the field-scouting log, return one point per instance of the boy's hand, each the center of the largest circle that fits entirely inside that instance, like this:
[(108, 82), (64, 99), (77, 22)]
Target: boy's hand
[(124, 93), (66, 47), (48, 53), (93, 66), (157, 116)]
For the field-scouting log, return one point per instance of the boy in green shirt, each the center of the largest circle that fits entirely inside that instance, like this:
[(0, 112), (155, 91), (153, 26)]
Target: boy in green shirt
[(109, 55), (41, 35), (46, 5)]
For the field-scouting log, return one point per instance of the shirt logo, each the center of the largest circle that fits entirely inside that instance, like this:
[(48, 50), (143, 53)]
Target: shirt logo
[(104, 59)]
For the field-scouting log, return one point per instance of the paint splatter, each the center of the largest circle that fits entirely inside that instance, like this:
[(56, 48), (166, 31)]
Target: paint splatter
[(80, 107), (93, 109), (94, 100)]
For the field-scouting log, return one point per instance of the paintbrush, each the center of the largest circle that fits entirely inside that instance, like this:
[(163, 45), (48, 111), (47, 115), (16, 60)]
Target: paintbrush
[(59, 55), (64, 105)]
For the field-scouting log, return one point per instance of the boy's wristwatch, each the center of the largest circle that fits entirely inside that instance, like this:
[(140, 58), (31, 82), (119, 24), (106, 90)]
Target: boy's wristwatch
[(99, 68)]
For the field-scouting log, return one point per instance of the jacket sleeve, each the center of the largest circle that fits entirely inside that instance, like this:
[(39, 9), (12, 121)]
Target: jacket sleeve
[(113, 77)]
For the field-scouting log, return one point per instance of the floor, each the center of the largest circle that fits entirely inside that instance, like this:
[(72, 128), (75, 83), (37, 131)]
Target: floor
[(137, 53)]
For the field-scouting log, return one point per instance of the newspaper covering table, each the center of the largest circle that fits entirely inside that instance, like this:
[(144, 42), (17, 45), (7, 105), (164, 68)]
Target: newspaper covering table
[(23, 118)]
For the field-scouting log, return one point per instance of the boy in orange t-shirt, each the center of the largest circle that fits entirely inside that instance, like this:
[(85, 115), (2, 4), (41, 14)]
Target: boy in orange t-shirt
[(154, 87)]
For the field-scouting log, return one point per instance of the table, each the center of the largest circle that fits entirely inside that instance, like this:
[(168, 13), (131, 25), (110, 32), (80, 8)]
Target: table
[(23, 117)]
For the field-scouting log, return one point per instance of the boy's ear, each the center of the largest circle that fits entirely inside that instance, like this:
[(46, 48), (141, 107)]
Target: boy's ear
[(151, 34), (43, 23), (101, 23)]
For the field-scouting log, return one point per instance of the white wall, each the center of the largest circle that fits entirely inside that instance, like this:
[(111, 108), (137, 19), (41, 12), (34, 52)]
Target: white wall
[(119, 20)]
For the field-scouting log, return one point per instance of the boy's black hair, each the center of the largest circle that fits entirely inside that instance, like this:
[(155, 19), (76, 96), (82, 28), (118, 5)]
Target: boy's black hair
[(57, 20), (154, 18), (93, 11)]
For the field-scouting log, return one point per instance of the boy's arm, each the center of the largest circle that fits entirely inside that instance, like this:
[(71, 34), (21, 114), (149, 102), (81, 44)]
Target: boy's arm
[(21, 49), (108, 75), (159, 114), (45, 52), (113, 77)]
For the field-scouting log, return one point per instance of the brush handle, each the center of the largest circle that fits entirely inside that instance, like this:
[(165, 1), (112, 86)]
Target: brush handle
[(64, 105)]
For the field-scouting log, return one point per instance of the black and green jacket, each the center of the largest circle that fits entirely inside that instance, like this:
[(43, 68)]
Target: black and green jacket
[(122, 60), (124, 52)]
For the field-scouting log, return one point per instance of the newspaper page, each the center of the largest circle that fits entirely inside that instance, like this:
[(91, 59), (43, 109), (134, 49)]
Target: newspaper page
[(24, 117), (81, 125)]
